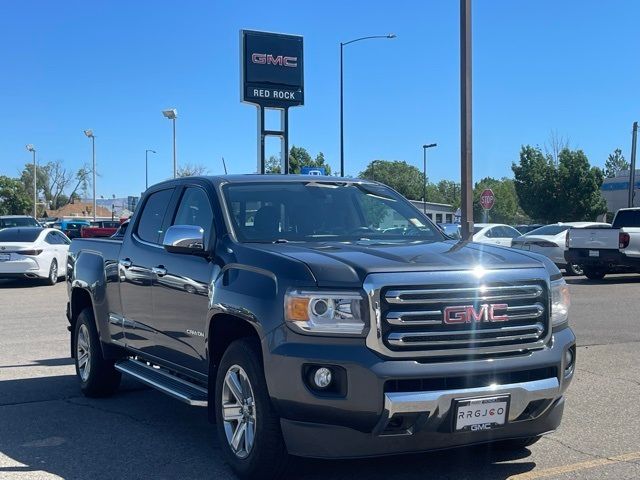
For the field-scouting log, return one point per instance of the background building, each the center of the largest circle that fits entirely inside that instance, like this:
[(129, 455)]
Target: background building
[(616, 191)]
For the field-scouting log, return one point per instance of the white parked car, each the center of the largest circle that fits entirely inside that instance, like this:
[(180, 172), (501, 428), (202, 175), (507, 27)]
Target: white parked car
[(494, 233), (33, 252), (550, 241)]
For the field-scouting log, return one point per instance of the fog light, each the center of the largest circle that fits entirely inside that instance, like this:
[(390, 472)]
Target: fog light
[(568, 360), (322, 377)]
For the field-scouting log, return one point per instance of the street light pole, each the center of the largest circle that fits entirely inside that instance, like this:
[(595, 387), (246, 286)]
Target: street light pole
[(146, 167), (342, 45), (172, 114), (89, 134), (424, 173), (31, 149)]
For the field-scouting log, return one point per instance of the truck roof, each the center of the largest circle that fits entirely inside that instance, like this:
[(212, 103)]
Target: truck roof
[(258, 178)]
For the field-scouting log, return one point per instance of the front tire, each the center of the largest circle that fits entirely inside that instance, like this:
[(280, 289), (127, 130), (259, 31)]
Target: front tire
[(52, 279), (98, 377), (594, 273), (248, 427)]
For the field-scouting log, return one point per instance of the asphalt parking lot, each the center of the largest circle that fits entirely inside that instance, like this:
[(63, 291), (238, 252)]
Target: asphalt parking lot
[(49, 430)]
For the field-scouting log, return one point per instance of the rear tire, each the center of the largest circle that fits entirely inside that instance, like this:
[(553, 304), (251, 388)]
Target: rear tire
[(52, 279), (517, 443), (98, 377), (241, 374), (594, 273), (574, 269)]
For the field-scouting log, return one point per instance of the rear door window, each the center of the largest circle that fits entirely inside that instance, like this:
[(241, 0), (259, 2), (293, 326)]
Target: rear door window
[(52, 239), (150, 225)]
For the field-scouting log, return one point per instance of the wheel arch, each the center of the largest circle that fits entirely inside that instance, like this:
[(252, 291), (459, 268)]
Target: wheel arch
[(80, 299), (224, 329)]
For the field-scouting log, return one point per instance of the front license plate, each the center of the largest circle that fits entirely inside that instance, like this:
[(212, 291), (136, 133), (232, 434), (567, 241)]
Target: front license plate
[(479, 414), (594, 253), (5, 257)]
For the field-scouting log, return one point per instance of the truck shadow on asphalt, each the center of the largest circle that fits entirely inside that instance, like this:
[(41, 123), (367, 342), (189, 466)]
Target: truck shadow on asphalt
[(47, 425)]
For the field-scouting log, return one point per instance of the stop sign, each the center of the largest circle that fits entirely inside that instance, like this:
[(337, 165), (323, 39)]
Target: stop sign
[(487, 199)]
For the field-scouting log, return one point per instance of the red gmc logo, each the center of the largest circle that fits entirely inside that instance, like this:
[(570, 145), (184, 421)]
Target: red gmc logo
[(268, 59), (468, 313)]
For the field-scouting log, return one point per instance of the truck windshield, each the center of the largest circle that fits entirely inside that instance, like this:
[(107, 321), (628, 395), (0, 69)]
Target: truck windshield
[(627, 218), (318, 211)]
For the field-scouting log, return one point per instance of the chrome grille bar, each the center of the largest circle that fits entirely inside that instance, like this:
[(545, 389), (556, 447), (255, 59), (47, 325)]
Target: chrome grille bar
[(404, 318), (469, 294), (400, 339)]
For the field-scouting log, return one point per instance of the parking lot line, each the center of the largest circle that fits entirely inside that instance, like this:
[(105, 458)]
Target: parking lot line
[(574, 467)]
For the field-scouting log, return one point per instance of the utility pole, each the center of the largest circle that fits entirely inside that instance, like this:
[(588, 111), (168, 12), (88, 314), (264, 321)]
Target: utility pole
[(424, 173), (32, 149), (466, 172), (632, 169), (89, 134)]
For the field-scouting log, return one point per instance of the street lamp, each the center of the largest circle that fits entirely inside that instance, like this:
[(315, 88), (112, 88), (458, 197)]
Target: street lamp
[(342, 45), (172, 114), (31, 148), (424, 172), (146, 167), (89, 134)]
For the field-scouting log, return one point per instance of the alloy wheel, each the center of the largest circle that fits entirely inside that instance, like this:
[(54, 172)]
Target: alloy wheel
[(83, 353), (238, 411)]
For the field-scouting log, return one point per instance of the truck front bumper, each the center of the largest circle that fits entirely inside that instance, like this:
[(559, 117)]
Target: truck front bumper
[(402, 406)]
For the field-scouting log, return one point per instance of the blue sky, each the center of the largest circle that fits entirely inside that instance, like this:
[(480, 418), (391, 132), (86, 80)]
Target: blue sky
[(539, 66)]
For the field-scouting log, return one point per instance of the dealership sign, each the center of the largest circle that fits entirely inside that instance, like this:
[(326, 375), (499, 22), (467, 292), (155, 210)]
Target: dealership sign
[(272, 69)]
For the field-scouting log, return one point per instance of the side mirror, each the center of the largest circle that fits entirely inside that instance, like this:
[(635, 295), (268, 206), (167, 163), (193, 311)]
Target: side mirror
[(187, 239)]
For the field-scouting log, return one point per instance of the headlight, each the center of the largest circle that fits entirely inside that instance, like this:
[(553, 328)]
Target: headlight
[(560, 302), (327, 313)]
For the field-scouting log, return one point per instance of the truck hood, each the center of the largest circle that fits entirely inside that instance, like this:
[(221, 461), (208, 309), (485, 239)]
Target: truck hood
[(347, 264)]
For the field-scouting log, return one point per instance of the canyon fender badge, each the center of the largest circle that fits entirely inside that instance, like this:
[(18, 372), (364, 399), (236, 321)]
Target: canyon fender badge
[(195, 333)]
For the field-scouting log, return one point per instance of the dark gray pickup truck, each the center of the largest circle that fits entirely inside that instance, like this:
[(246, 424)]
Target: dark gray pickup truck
[(321, 317)]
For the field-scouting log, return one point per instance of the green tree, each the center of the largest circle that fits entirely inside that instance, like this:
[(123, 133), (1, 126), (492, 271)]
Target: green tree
[(399, 175), (14, 200), (191, 170), (615, 163), (579, 187), (53, 180), (272, 165), (298, 157), (568, 191), (450, 192), (506, 208)]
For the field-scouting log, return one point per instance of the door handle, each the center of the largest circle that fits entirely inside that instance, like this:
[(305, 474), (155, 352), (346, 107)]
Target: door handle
[(159, 271), (126, 263)]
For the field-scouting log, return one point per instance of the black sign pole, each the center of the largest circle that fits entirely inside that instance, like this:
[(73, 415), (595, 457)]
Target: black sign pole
[(285, 139), (261, 136)]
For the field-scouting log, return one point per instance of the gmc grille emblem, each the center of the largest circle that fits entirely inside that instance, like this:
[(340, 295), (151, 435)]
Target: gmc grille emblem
[(487, 312), (279, 60)]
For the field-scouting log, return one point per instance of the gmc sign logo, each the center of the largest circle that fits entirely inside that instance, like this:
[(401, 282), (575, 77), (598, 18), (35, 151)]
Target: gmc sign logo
[(468, 313), (279, 60)]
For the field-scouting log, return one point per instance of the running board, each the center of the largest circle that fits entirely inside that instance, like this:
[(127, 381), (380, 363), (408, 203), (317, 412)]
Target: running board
[(165, 381)]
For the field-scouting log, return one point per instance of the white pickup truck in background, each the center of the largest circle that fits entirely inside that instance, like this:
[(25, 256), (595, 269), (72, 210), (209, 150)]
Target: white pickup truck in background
[(607, 250)]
